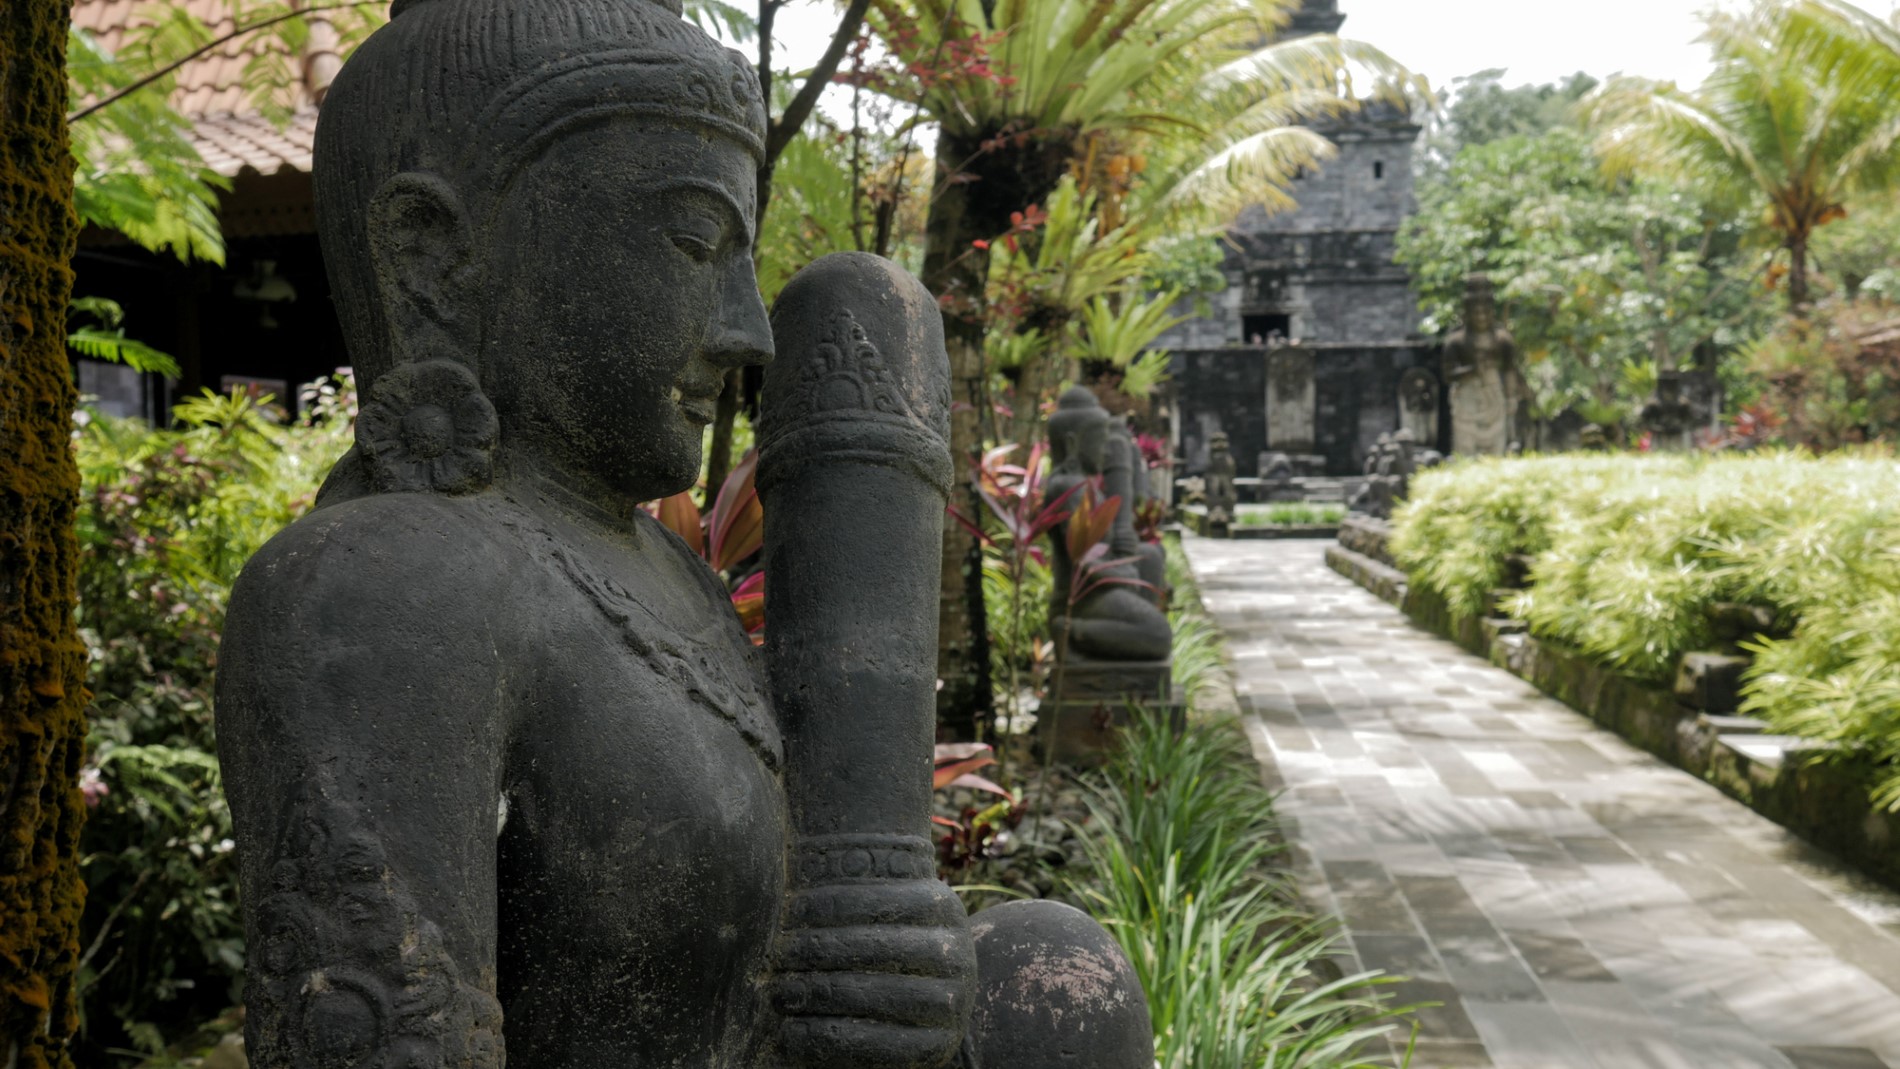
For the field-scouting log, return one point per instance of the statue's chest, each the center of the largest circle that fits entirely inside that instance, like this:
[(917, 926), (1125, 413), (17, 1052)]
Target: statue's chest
[(644, 846)]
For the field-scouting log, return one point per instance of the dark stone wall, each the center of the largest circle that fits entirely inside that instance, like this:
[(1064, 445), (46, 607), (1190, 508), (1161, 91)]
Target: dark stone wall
[(1221, 390), (1357, 386)]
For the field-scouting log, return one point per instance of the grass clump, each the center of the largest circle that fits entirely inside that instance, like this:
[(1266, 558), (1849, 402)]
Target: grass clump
[(1291, 514), (1183, 870), (1630, 553)]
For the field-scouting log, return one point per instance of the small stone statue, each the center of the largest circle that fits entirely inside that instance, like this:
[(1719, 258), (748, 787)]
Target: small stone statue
[(510, 783), (1116, 622), (1389, 470), (1223, 499), (1684, 403), (1490, 401), (1418, 405), (1593, 438)]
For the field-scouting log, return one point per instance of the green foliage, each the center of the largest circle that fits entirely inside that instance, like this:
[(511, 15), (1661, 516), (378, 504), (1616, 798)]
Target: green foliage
[(1780, 126), (1482, 110), (1595, 276), (168, 518), (1631, 552), (1291, 513), (105, 338), (1857, 255), (1832, 378), (137, 172), (812, 206), (1183, 871)]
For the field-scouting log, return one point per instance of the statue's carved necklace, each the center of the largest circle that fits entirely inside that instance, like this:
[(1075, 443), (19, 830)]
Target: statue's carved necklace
[(696, 663)]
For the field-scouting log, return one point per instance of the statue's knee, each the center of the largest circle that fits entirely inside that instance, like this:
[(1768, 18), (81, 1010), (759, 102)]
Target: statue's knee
[(1054, 991)]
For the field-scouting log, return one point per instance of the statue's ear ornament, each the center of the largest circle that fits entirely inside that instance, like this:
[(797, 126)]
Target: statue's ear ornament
[(428, 427)]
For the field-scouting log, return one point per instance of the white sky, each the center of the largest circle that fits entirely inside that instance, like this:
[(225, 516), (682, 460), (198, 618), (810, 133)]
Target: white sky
[(1536, 40)]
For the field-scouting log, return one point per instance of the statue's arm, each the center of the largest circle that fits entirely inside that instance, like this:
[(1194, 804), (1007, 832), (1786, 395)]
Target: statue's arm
[(360, 732)]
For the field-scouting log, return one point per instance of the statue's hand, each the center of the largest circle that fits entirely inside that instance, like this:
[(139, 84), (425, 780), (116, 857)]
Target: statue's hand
[(878, 974)]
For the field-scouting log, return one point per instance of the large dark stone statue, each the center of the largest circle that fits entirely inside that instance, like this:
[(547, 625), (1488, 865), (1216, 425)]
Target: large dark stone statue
[(510, 783), (1490, 401)]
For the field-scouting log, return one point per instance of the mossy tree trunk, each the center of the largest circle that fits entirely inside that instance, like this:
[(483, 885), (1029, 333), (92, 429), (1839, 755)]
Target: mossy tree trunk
[(42, 663)]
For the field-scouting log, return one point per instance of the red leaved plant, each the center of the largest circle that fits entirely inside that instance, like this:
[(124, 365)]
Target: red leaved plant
[(734, 532), (966, 841)]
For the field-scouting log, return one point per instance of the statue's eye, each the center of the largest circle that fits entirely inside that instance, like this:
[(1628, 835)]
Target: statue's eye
[(695, 246)]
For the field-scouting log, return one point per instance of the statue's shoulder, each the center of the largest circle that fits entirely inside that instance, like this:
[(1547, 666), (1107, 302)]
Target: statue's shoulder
[(391, 554)]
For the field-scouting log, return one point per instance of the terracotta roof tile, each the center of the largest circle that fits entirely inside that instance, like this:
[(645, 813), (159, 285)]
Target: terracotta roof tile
[(210, 90), (231, 143)]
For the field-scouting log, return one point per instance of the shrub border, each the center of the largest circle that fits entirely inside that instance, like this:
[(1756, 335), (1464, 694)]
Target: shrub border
[(1823, 802)]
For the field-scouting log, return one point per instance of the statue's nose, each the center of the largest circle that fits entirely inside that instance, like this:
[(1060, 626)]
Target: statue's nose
[(741, 330)]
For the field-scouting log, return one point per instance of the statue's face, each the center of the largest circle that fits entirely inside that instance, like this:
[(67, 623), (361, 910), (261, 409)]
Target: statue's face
[(1482, 312), (622, 290), (1091, 447)]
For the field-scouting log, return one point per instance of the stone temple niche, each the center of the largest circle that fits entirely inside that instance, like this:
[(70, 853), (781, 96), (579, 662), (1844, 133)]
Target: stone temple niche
[(1321, 280)]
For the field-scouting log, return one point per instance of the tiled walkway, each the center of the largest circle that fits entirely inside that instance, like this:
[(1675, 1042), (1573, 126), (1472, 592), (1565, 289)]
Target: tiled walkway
[(1572, 901)]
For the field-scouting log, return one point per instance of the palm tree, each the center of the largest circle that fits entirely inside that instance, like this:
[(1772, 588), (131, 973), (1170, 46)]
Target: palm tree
[(1025, 92), (42, 663), (1787, 119)]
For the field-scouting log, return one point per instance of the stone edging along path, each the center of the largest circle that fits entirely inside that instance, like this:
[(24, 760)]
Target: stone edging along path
[(1825, 803)]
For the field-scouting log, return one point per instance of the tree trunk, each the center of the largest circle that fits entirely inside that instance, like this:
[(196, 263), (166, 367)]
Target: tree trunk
[(42, 663), (1041, 377), (956, 271), (719, 455), (1798, 273)]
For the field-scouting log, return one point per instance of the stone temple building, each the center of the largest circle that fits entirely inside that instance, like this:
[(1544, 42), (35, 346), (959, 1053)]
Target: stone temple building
[(1303, 351)]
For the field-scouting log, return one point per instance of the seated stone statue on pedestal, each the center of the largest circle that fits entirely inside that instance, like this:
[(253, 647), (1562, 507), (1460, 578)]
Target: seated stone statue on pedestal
[(510, 782), (1115, 642)]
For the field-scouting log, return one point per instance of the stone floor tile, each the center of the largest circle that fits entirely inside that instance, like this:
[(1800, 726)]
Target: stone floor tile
[(1527, 1035), (1556, 957)]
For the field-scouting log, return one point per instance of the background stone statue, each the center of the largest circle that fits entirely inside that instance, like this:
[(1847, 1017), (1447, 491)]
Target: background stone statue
[(1116, 622), (1223, 497), (1389, 470), (1490, 401), (1125, 476), (1418, 406), (509, 780)]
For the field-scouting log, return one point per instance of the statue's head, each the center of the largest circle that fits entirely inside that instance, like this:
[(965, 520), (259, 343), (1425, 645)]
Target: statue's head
[(1078, 431), (1481, 302), (558, 196)]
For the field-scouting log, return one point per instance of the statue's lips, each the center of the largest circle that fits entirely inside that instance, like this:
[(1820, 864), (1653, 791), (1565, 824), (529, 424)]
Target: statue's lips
[(699, 409)]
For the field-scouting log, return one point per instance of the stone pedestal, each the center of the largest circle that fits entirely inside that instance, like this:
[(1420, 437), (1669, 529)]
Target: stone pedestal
[(1095, 701)]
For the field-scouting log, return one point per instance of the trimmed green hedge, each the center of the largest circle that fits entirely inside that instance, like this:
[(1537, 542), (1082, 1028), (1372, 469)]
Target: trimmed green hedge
[(1630, 552)]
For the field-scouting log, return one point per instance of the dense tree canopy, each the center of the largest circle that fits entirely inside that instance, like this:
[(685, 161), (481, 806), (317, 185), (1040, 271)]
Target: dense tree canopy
[(1604, 281)]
